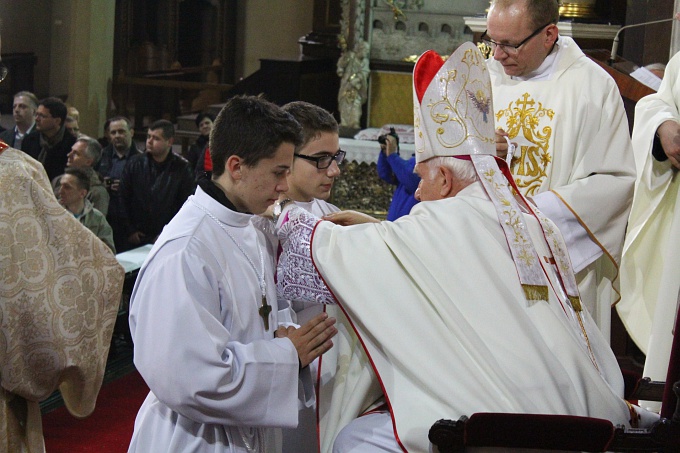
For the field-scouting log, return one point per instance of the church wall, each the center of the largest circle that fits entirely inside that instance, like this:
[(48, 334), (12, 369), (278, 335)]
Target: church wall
[(60, 43), (27, 28), (90, 67), (271, 30)]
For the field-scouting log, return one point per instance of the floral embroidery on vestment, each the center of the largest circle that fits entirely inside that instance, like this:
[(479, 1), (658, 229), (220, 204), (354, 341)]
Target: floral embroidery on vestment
[(530, 120)]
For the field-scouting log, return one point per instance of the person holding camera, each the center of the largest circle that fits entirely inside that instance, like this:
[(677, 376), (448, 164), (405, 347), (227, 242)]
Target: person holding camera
[(115, 156), (399, 172)]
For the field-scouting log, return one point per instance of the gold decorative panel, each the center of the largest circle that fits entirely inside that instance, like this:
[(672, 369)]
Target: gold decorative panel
[(390, 98)]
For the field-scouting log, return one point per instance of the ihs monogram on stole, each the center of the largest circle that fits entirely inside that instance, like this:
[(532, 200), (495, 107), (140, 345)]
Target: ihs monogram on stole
[(531, 167)]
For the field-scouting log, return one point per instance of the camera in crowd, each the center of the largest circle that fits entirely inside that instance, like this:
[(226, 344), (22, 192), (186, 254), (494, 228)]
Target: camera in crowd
[(383, 138)]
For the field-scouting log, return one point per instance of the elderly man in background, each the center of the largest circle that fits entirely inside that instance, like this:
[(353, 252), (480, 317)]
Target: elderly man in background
[(85, 154), (574, 155), (436, 295)]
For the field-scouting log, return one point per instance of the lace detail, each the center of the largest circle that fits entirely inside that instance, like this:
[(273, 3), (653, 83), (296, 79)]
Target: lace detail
[(297, 278)]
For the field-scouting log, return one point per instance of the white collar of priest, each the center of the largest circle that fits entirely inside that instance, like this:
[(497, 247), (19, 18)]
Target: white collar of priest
[(546, 70)]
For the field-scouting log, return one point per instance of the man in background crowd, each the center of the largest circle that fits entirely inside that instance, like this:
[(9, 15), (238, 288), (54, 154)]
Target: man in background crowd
[(23, 111), (72, 126), (115, 156), (85, 154), (55, 142), (74, 187), (153, 186), (196, 152)]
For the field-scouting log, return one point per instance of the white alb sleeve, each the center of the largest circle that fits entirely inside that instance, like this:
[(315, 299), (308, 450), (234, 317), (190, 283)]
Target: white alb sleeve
[(582, 249)]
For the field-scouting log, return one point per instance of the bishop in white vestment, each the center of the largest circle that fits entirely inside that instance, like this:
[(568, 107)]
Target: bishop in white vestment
[(469, 303)]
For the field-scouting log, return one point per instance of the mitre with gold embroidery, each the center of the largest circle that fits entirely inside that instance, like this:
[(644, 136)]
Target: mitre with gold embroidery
[(453, 110), (453, 116)]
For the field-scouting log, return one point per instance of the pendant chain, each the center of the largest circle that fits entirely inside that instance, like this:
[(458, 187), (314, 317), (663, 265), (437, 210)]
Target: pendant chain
[(260, 276)]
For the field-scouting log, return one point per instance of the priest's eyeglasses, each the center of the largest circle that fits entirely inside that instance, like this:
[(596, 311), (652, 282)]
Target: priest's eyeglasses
[(510, 49), (323, 162)]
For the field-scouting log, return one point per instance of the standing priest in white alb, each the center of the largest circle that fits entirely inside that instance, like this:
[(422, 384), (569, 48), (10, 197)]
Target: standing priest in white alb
[(574, 156), (650, 268), (204, 311), (467, 304)]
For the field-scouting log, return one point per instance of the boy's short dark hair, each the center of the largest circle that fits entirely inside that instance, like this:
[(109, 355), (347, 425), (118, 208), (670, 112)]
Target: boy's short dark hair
[(313, 119), (56, 107), (251, 128), (168, 129), (82, 178)]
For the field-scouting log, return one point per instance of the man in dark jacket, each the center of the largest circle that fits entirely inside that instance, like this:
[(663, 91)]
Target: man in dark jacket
[(54, 142), (154, 185), (23, 111), (115, 157)]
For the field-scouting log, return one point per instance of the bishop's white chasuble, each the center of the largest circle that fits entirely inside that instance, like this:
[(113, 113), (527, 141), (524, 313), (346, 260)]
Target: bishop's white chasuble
[(446, 325)]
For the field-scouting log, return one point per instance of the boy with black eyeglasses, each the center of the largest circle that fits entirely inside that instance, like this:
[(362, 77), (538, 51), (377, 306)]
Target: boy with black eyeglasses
[(315, 166)]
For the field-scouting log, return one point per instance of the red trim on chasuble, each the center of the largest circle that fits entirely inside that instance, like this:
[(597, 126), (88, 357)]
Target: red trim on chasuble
[(3, 146), (361, 340)]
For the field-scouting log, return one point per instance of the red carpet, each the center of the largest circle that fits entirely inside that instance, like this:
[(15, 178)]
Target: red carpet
[(108, 429)]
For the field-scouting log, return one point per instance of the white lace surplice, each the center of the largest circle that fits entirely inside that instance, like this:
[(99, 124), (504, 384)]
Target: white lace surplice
[(298, 278)]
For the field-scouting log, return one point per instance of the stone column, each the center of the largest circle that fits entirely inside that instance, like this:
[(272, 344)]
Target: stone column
[(82, 58)]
